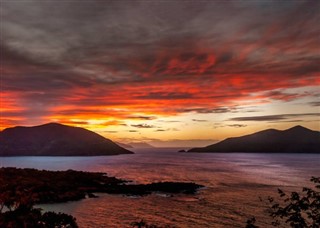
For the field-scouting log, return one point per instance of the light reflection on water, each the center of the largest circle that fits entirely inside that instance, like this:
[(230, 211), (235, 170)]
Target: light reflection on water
[(233, 183)]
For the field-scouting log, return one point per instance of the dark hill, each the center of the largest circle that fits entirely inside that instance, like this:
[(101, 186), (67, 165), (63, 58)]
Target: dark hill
[(55, 139), (294, 140)]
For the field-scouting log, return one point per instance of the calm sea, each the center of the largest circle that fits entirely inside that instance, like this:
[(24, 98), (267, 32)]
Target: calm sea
[(234, 183)]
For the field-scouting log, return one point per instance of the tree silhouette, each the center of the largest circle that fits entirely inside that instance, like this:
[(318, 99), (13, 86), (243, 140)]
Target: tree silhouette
[(143, 224), (299, 210), (251, 222), (16, 210)]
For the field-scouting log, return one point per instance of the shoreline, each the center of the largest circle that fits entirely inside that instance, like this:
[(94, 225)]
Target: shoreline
[(45, 187)]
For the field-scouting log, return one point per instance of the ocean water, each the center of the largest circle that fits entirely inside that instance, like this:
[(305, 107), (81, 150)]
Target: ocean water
[(236, 186)]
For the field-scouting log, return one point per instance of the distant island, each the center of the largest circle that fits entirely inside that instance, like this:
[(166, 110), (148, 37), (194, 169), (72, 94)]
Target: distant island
[(141, 145), (124, 145), (294, 140), (55, 139)]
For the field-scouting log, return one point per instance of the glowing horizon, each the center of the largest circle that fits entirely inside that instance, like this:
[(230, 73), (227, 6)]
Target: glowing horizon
[(161, 72)]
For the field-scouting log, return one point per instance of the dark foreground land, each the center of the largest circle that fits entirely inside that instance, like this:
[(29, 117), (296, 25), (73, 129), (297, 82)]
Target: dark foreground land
[(21, 189), (61, 186)]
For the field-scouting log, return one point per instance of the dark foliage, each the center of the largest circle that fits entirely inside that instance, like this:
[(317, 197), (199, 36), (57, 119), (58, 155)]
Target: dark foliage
[(298, 210), (16, 210), (58, 220), (251, 223), (33, 218), (144, 224)]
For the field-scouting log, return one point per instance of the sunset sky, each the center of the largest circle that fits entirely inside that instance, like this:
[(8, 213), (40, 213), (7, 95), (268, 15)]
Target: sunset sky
[(171, 73)]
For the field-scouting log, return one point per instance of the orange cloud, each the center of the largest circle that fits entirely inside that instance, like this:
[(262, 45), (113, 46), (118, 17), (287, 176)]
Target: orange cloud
[(173, 77)]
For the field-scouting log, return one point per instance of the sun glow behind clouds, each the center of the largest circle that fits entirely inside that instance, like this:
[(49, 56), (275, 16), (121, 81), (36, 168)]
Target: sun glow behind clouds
[(160, 70)]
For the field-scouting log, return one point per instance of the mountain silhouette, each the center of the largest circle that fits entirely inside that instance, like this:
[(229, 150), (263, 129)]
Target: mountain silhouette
[(55, 139), (294, 140), (124, 145), (141, 145)]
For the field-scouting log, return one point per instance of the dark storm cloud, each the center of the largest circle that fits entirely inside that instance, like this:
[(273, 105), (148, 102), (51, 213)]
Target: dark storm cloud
[(103, 53), (61, 31), (106, 33), (274, 117)]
